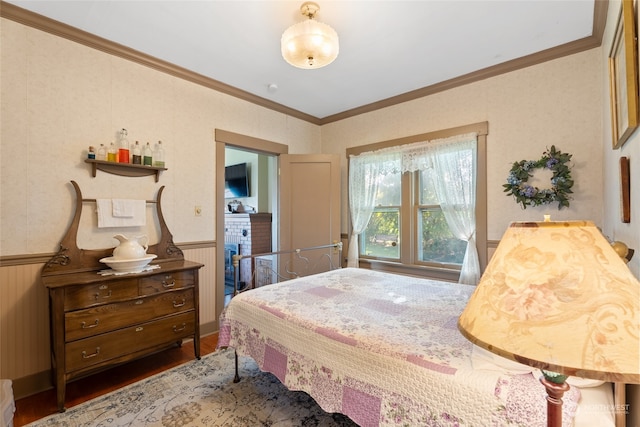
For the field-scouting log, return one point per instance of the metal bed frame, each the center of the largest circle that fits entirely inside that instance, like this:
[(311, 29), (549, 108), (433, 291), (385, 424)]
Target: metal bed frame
[(287, 271)]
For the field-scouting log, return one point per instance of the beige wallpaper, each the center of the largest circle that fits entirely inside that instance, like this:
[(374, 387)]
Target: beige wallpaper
[(556, 103), (58, 97)]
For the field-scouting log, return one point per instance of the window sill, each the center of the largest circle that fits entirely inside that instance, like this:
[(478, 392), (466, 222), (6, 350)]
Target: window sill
[(434, 273)]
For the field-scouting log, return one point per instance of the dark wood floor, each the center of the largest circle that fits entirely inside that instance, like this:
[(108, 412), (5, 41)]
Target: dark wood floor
[(40, 405)]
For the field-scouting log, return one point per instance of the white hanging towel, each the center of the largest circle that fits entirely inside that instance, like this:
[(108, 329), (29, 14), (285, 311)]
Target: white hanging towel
[(121, 212), (123, 208)]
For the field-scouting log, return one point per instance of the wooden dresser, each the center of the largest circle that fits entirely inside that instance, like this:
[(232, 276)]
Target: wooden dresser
[(99, 321)]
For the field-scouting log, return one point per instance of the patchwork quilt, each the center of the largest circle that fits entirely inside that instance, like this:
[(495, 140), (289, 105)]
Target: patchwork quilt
[(383, 349)]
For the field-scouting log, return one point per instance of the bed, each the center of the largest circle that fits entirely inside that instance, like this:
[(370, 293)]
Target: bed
[(385, 350)]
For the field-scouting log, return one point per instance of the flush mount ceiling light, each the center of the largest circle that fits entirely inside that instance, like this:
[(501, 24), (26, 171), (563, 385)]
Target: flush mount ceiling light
[(309, 44)]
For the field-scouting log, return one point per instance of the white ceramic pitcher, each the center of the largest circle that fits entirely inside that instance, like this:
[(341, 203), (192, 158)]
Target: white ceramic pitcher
[(130, 248)]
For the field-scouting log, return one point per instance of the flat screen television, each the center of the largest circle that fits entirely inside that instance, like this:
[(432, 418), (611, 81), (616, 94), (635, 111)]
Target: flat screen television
[(236, 181)]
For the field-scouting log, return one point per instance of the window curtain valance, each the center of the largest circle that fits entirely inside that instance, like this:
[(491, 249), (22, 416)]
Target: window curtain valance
[(454, 161), (416, 155)]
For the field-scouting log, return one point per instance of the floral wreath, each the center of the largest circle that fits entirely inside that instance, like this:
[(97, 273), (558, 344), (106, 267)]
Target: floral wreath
[(561, 181)]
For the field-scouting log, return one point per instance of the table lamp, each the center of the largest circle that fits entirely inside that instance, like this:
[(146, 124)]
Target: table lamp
[(557, 296)]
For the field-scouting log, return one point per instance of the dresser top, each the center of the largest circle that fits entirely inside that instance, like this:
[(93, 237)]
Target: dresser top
[(87, 277)]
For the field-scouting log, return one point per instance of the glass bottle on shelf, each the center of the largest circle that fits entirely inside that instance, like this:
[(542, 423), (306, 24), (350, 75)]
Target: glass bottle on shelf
[(102, 153), (158, 156), (147, 155), (123, 148), (92, 152), (112, 154), (137, 154)]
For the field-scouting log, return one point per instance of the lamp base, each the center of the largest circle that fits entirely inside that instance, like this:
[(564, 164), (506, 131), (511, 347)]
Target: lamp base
[(555, 391)]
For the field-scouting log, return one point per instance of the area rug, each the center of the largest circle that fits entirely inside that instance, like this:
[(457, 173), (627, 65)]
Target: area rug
[(201, 393)]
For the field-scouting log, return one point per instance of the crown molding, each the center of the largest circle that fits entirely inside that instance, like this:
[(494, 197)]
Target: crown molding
[(586, 43), (34, 20), (57, 28)]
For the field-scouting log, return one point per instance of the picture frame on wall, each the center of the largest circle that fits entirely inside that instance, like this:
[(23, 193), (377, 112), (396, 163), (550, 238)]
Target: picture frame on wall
[(623, 76)]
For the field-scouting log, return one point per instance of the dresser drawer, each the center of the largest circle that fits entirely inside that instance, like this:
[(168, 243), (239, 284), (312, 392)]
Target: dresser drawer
[(109, 317), (95, 350), (165, 281), (82, 296)]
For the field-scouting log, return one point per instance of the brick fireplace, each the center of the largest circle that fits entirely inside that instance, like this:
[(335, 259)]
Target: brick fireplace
[(252, 235)]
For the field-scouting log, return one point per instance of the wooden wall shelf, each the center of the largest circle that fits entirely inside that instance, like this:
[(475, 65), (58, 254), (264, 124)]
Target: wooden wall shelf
[(124, 169)]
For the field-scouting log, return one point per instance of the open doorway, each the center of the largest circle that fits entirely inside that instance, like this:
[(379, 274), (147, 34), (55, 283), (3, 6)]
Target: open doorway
[(249, 145), (250, 210), (303, 197)]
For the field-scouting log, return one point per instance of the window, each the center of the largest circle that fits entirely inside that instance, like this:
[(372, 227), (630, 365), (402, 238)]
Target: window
[(412, 222), (434, 245)]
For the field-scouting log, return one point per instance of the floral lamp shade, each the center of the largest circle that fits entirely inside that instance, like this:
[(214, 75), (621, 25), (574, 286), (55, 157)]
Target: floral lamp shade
[(556, 296)]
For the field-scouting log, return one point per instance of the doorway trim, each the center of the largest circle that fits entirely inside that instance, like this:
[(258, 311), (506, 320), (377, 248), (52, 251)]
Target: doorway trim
[(223, 139)]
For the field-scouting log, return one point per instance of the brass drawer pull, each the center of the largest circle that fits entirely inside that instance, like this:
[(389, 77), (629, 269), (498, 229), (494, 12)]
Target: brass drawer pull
[(138, 302), (176, 305), (139, 329), (89, 356), (166, 284), (85, 326), (108, 295), (179, 329)]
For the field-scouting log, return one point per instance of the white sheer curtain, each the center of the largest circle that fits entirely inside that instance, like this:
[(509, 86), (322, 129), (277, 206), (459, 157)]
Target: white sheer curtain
[(455, 178), (454, 163), (365, 171)]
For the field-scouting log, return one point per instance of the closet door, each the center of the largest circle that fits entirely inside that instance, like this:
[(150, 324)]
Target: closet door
[(310, 204)]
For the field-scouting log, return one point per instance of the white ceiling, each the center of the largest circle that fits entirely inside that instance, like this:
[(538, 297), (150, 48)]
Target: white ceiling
[(387, 48)]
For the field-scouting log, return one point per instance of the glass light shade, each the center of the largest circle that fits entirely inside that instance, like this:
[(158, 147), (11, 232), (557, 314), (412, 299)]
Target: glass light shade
[(556, 296), (309, 44)]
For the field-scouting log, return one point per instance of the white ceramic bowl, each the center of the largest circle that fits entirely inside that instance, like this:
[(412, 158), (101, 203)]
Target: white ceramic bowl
[(135, 265)]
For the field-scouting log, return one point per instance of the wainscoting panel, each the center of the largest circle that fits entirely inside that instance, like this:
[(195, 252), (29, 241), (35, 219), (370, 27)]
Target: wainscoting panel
[(206, 256), (24, 321)]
